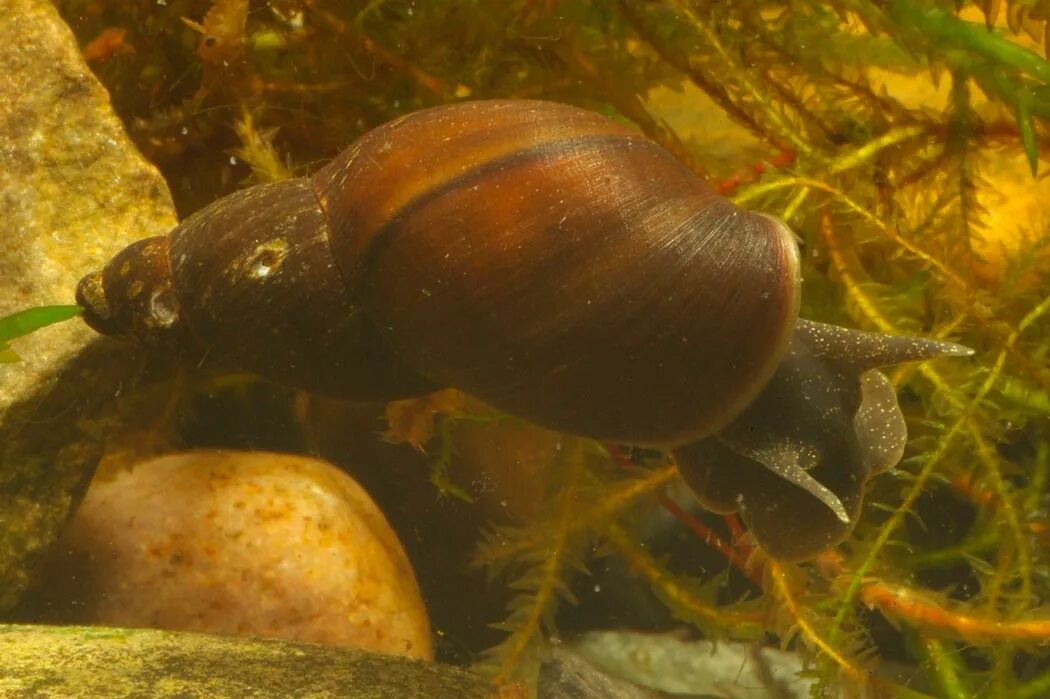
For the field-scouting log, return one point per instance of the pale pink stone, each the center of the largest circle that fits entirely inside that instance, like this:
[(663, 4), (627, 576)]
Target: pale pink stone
[(248, 543)]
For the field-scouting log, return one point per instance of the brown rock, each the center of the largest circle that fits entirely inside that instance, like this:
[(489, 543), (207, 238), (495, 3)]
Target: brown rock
[(246, 543)]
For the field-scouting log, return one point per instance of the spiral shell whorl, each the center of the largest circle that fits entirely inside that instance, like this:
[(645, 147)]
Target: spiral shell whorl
[(561, 267)]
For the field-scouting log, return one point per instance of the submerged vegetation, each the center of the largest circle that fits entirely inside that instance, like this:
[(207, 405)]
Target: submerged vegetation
[(905, 142), (22, 323)]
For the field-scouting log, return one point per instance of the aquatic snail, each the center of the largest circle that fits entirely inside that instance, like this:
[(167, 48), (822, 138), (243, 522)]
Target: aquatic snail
[(559, 266)]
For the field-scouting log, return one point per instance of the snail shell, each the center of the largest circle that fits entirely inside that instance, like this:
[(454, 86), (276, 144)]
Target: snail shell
[(545, 259)]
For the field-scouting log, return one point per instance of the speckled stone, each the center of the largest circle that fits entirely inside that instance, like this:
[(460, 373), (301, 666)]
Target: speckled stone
[(73, 190), (245, 543)]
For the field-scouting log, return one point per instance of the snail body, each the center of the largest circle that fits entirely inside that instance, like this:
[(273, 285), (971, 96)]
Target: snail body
[(546, 259)]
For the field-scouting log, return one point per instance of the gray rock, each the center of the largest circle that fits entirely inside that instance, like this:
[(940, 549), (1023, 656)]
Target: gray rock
[(696, 668), (566, 675), (73, 190)]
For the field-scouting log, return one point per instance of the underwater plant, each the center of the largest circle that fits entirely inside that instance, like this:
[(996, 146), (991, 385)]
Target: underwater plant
[(16, 325), (884, 132)]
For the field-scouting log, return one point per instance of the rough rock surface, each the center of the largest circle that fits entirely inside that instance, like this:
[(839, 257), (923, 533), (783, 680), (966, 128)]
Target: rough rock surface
[(100, 662), (73, 190)]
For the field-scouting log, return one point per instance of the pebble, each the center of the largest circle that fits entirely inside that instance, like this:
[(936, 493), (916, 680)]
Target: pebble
[(244, 543)]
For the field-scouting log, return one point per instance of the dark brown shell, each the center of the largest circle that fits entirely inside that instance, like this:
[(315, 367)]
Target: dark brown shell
[(258, 289), (562, 267)]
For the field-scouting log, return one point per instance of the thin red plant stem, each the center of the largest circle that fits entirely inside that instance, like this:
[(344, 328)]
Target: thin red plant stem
[(736, 557), (735, 527), (750, 174), (618, 456), (741, 541), (709, 537)]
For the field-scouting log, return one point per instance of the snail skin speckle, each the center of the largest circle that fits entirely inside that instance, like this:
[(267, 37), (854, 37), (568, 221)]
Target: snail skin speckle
[(561, 267)]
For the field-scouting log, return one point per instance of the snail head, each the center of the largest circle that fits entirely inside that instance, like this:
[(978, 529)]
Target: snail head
[(132, 297), (796, 462)]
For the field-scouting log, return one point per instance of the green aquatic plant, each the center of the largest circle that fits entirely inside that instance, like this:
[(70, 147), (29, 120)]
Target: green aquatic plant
[(24, 322), (894, 136)]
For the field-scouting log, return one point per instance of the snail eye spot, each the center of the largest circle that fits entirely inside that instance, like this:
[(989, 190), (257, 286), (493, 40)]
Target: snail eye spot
[(264, 264), (163, 308), (266, 259), (210, 41)]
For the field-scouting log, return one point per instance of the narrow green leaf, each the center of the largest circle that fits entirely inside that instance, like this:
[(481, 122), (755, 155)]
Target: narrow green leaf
[(947, 32), (8, 355), (1024, 124), (24, 322)]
